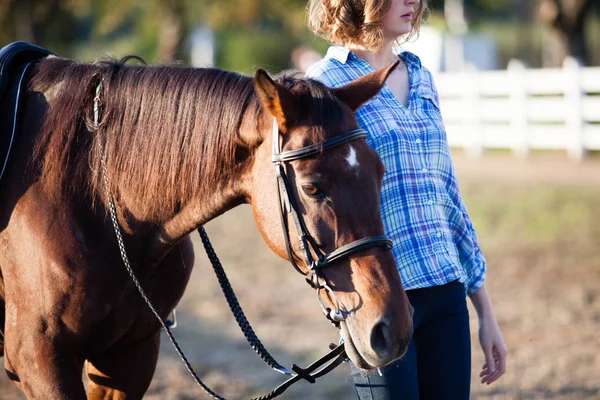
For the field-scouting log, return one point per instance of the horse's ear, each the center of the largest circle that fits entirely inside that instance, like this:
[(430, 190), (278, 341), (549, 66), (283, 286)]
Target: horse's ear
[(275, 98), (358, 92)]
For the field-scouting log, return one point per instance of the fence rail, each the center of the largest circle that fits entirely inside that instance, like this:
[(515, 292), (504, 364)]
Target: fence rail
[(523, 109)]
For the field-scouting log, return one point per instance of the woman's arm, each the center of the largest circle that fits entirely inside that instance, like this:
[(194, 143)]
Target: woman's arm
[(490, 338)]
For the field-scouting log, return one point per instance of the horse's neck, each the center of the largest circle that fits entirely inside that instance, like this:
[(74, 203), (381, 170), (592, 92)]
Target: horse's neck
[(198, 212), (223, 196), (139, 183)]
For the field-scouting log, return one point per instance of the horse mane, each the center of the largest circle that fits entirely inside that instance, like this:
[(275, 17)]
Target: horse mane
[(167, 133)]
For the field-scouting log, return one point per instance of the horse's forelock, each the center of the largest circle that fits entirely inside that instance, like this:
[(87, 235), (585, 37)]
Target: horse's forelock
[(321, 107)]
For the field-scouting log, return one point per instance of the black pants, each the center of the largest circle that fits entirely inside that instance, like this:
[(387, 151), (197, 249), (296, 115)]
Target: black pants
[(437, 364)]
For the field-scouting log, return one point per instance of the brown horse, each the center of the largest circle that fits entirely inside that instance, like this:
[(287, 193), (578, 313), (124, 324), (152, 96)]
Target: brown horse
[(181, 146)]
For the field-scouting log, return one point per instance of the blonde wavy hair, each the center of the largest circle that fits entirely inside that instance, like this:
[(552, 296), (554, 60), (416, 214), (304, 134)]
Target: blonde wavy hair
[(356, 22)]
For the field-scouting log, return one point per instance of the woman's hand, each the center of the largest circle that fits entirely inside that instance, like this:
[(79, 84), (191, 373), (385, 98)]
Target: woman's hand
[(493, 348), (490, 338)]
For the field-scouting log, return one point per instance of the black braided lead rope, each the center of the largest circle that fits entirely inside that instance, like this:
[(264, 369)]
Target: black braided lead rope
[(235, 307), (331, 360)]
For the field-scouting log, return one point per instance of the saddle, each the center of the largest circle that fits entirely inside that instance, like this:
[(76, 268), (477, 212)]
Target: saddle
[(15, 61)]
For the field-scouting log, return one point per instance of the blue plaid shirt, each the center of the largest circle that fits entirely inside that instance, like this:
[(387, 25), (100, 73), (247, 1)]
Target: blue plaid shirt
[(422, 208)]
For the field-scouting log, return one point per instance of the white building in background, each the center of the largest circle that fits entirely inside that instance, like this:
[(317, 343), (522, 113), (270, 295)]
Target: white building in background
[(446, 53), (202, 42)]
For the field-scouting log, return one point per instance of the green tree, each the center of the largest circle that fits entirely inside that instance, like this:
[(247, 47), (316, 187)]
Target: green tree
[(248, 31), (46, 23)]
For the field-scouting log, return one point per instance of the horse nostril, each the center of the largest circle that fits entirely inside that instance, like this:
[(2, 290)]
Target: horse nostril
[(380, 337)]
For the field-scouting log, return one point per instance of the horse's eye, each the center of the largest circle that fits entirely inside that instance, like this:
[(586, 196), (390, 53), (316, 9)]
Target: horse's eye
[(312, 190)]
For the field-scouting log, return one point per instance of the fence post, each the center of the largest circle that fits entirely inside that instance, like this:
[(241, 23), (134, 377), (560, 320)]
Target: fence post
[(574, 132), (474, 134), (518, 108)]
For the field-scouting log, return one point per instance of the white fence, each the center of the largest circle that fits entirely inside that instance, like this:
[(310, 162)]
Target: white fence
[(523, 109)]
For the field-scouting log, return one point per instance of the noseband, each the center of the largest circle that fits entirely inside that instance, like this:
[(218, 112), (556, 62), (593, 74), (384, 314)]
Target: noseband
[(287, 204)]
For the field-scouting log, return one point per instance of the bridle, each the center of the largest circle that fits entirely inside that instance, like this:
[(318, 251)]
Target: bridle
[(308, 245)]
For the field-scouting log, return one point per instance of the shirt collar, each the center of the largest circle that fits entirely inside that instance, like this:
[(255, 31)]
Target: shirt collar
[(338, 53), (342, 54)]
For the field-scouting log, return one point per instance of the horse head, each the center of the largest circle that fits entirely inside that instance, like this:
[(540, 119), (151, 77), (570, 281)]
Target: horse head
[(329, 195)]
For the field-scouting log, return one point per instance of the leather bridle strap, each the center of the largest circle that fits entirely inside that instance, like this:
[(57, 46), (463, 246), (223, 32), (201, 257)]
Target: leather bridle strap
[(335, 357), (315, 149), (356, 246), (285, 206)]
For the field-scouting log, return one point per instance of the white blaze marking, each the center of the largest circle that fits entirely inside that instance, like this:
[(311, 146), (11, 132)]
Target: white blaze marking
[(351, 158)]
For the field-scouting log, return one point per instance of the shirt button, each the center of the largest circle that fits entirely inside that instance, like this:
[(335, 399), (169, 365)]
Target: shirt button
[(430, 202), (418, 141), (438, 235), (424, 170)]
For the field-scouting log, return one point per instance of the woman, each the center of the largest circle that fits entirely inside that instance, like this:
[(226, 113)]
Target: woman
[(435, 245)]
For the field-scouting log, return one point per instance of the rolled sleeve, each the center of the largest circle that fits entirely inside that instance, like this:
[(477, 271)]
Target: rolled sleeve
[(476, 272)]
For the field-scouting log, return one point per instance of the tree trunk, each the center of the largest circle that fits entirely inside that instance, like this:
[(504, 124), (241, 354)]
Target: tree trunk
[(171, 30), (565, 22), (25, 24), (31, 19)]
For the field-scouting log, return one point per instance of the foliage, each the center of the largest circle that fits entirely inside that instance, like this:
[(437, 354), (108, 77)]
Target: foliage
[(483, 9), (249, 33), (31, 20)]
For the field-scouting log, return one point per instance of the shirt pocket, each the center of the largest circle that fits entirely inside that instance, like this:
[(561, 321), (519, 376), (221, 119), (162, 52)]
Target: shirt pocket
[(428, 109), (430, 101)]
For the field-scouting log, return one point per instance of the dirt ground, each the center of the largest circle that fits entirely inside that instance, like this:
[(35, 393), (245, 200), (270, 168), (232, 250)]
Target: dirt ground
[(539, 225)]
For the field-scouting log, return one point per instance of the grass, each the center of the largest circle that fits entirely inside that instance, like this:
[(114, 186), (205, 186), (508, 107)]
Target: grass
[(534, 216)]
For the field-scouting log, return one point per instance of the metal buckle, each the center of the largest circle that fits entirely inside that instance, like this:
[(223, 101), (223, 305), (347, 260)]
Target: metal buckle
[(337, 314), (172, 321)]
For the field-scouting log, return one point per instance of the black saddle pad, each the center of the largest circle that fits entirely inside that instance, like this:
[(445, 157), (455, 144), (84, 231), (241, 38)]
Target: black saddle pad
[(14, 59)]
